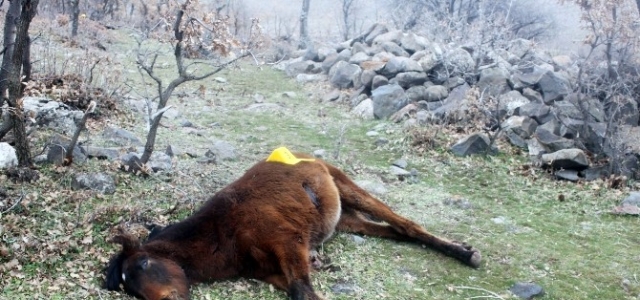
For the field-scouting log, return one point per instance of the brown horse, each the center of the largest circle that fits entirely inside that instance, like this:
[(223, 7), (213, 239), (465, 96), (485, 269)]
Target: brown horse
[(264, 226)]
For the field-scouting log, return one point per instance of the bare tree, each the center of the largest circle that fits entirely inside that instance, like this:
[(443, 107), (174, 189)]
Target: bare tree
[(27, 9), (165, 92), (75, 14), (305, 41), (348, 18)]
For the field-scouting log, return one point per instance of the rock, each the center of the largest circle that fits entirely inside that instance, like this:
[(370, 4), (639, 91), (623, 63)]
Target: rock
[(378, 81), (306, 78), (493, 81), (526, 291), (535, 148), (552, 141), (595, 173), (289, 94), (52, 114), (121, 137), (520, 125), (56, 154), (624, 110), (553, 87), (159, 161), (632, 199), (436, 93), (399, 65), (302, 67), (8, 157), (221, 150), (344, 289), (372, 187), (412, 42), (359, 58), (409, 79), (459, 62), (391, 36), (344, 75), (387, 100), (358, 240), (324, 52), (400, 163), (320, 153), (101, 152), (455, 103), (399, 172), (101, 182), (520, 47), (458, 202), (364, 110), (416, 93), (376, 30), (476, 143), (428, 59), (570, 175), (537, 111), (510, 102), (568, 159), (532, 95), (332, 96), (130, 162), (366, 77), (394, 49)]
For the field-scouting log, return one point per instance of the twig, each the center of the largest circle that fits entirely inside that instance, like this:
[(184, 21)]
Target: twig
[(160, 112), (492, 295), (15, 203)]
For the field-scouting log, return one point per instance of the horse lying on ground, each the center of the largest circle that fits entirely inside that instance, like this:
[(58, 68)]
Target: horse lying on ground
[(264, 226)]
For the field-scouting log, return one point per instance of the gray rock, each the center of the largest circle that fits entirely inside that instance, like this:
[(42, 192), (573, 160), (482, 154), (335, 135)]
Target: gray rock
[(56, 154), (526, 291), (399, 65), (121, 137), (532, 95), (372, 187), (552, 141), (302, 67), (358, 240), (324, 52), (520, 125), (520, 47), (568, 159), (100, 182), (366, 77), (376, 30), (408, 79), (511, 101), (493, 81), (570, 175), (391, 36), (416, 93), (364, 110), (101, 152), (289, 94), (307, 78), (632, 199), (595, 173), (159, 161), (624, 110), (459, 61), (537, 111), (387, 100), (436, 93), (399, 172), (359, 58), (8, 157), (400, 163), (476, 143), (332, 96), (52, 114), (378, 81), (455, 102), (412, 42), (535, 148), (344, 289), (221, 150), (344, 75), (332, 60), (553, 87), (320, 153), (394, 49)]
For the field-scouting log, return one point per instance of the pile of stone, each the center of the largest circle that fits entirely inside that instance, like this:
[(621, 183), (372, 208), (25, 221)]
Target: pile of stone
[(391, 73)]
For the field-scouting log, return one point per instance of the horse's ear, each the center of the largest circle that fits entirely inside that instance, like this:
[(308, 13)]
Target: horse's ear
[(129, 243)]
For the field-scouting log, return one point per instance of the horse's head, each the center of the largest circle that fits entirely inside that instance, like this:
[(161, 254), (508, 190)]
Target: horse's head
[(143, 275)]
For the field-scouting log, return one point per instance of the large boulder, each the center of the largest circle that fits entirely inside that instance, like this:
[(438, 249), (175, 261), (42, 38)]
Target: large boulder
[(553, 87), (520, 47), (511, 101), (552, 141), (387, 100), (378, 81), (408, 79), (374, 31), (416, 93), (8, 156), (344, 75), (436, 93), (493, 81), (121, 137), (413, 43), (364, 110), (477, 143), (455, 103), (100, 182), (52, 114), (535, 110), (459, 61), (568, 159), (399, 65), (302, 67)]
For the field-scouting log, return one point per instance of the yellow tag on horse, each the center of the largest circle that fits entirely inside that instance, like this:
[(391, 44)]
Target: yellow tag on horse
[(283, 155)]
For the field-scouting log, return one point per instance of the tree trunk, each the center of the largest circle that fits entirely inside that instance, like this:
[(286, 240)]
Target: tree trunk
[(29, 8), (75, 14), (638, 5), (304, 25), (11, 19)]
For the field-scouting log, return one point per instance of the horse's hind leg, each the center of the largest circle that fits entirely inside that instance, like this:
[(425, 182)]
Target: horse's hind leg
[(295, 267), (354, 200)]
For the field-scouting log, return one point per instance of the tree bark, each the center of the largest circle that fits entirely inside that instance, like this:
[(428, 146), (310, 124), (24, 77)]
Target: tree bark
[(29, 8), (75, 14), (11, 19), (304, 25)]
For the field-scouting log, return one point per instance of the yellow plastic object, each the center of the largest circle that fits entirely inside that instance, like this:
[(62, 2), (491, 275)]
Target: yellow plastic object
[(283, 155)]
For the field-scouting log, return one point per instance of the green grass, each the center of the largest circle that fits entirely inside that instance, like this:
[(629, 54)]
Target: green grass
[(573, 248)]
